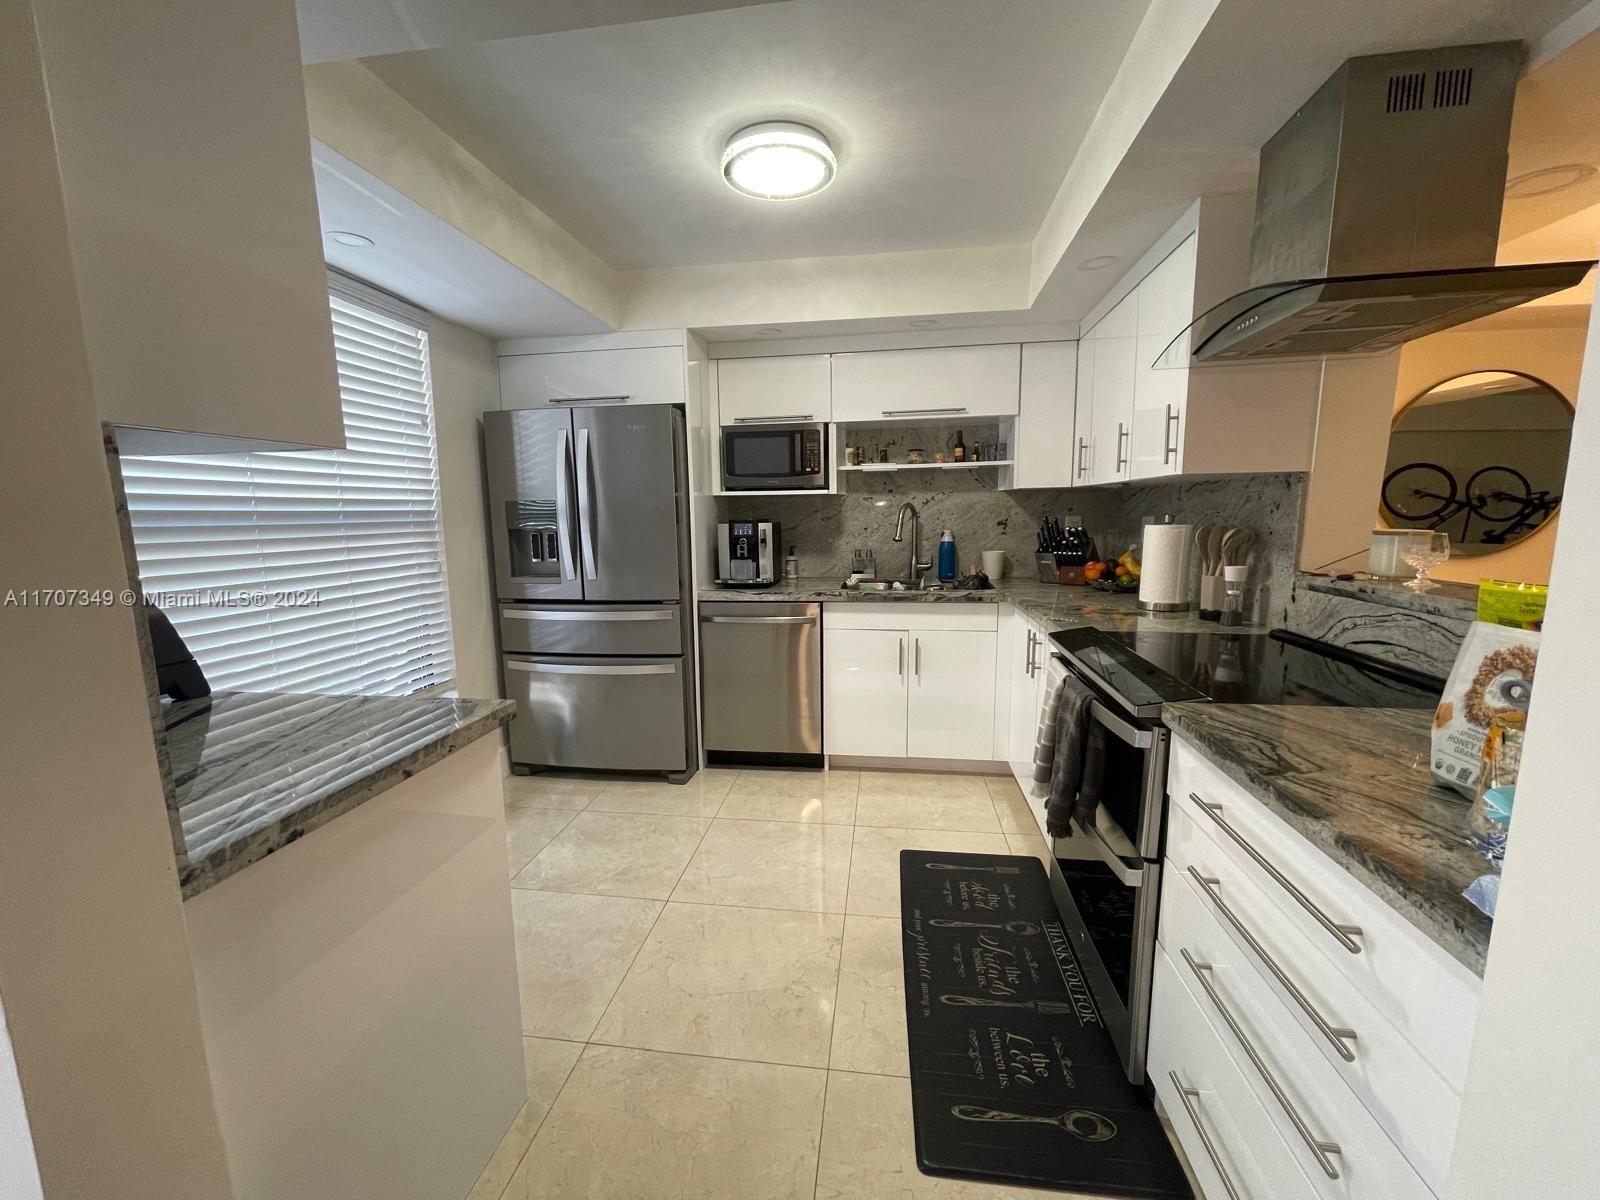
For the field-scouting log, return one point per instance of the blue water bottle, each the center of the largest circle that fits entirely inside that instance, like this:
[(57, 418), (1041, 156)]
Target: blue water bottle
[(947, 555)]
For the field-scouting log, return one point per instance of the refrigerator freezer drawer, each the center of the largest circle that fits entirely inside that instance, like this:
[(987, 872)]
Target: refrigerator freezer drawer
[(568, 629), (604, 714)]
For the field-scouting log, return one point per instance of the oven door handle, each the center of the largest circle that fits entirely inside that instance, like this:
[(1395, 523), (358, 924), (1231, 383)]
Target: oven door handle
[(1139, 739), (1118, 865)]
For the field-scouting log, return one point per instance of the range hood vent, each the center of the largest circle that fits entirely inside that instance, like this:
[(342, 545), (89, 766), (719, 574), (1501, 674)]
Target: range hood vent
[(1378, 214)]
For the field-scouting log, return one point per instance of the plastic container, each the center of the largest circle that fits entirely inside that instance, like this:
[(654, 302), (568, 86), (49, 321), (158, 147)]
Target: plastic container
[(947, 555)]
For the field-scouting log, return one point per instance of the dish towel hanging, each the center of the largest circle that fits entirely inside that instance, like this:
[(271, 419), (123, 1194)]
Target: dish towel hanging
[(1068, 762)]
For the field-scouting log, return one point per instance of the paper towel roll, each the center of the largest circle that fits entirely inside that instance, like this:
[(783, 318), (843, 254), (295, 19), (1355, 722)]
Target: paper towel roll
[(1164, 570)]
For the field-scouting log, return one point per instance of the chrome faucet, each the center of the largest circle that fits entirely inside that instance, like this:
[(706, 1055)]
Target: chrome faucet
[(917, 567)]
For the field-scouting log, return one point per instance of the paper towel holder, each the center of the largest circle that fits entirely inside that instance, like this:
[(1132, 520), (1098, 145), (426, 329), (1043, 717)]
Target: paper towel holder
[(1164, 567)]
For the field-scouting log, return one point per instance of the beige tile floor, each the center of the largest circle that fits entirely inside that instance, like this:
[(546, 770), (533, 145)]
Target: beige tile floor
[(711, 982)]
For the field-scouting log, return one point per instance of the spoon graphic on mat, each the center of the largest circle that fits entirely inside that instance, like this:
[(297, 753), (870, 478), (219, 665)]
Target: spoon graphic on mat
[(964, 867), (1051, 1008), (1008, 926), (1081, 1123)]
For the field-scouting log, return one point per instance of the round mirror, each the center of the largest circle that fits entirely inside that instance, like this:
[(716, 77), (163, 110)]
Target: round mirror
[(1482, 457)]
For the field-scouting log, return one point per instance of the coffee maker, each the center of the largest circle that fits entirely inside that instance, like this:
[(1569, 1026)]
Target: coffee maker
[(747, 553)]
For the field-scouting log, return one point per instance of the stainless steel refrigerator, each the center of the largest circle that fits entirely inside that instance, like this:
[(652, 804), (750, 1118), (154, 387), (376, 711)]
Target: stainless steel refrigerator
[(588, 513)]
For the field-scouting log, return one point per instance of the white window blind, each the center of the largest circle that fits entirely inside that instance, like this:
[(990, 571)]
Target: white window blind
[(355, 531)]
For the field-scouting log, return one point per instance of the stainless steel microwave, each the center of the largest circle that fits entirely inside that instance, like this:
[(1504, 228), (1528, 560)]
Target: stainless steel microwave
[(770, 457)]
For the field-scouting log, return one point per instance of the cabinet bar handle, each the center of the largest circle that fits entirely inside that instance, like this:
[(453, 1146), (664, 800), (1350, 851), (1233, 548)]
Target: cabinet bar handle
[(1191, 1105), (1169, 444), (589, 399), (771, 420), (1122, 437), (901, 669), (921, 412), (917, 642), (1033, 640), (1336, 1035), (1345, 934), (1321, 1150), (1083, 445)]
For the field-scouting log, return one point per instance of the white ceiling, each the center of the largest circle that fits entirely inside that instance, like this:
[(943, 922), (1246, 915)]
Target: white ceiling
[(435, 266), (954, 121)]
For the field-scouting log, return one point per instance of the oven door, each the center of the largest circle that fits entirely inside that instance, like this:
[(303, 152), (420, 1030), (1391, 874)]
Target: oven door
[(769, 457), (1110, 919)]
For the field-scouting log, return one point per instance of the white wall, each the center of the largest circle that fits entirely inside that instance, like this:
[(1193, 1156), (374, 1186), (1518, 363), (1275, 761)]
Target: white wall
[(94, 963), (1531, 1105), (19, 1173), (466, 381)]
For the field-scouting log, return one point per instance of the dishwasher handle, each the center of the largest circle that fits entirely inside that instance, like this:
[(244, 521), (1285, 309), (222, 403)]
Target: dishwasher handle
[(758, 620)]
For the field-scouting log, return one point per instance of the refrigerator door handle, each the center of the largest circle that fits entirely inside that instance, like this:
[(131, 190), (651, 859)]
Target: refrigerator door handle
[(586, 506), (563, 517)]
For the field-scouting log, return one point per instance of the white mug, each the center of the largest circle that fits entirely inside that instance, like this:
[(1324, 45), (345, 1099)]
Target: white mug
[(994, 564)]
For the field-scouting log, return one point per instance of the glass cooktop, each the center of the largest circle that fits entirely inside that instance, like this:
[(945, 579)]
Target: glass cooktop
[(1146, 670)]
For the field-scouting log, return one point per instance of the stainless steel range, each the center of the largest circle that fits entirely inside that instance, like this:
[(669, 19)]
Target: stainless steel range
[(1107, 876)]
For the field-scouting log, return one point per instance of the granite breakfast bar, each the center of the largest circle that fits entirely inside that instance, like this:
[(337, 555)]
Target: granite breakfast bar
[(343, 864)]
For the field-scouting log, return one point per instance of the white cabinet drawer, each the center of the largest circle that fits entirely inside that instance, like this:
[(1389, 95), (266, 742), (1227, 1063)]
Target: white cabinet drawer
[(1230, 1142), (1428, 996), (644, 375), (1332, 1139), (943, 383), (1405, 1098), (910, 615), (789, 387)]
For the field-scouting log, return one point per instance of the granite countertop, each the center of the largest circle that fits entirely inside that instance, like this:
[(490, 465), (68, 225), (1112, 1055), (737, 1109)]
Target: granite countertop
[(1355, 783), (1047, 603), (1449, 599), (254, 771)]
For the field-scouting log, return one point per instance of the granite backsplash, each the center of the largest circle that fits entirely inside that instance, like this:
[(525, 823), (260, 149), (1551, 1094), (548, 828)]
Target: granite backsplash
[(825, 530)]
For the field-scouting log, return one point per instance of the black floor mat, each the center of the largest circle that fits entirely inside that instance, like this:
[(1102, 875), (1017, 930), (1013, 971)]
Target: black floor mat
[(1013, 1078)]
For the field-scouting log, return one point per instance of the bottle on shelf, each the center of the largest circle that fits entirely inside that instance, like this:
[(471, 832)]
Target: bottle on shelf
[(791, 565), (958, 452)]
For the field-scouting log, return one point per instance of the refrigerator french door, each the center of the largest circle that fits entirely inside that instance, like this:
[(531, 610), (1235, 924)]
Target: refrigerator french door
[(589, 523)]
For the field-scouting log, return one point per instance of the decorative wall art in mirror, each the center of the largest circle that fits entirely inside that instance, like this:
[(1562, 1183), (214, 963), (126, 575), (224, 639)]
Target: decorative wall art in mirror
[(1482, 457)]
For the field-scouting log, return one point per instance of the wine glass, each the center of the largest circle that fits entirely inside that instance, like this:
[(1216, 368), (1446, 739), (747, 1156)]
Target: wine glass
[(1424, 549)]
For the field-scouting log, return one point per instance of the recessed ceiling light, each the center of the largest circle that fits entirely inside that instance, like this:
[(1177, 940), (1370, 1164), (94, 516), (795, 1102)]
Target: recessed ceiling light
[(769, 331), (1550, 179), (1098, 263), (923, 323), (345, 238), (778, 160)]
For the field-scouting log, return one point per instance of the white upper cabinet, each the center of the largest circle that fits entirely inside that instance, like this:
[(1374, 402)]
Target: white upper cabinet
[(943, 383), (791, 387), (639, 375), (1192, 419), (1042, 441), (1111, 398), (185, 163), (1160, 393)]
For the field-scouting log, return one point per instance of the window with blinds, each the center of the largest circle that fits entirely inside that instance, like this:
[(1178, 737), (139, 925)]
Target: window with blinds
[(315, 571)]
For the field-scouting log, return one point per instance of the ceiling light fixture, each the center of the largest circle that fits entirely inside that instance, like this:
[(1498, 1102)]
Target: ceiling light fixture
[(1098, 263), (345, 238), (778, 160), (1550, 179)]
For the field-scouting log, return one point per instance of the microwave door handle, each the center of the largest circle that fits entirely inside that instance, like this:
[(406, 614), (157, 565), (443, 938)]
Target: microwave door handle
[(586, 506), (563, 516)]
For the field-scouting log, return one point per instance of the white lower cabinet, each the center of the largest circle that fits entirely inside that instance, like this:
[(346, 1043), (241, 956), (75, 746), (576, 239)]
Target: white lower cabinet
[(1330, 1042), (903, 683), (864, 709), (950, 706), (1229, 1140)]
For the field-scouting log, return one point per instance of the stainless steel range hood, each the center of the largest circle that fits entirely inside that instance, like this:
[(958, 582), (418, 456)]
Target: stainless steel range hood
[(1378, 213)]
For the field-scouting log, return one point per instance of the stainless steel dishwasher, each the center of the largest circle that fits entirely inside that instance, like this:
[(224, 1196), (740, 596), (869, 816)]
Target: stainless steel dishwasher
[(761, 681)]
